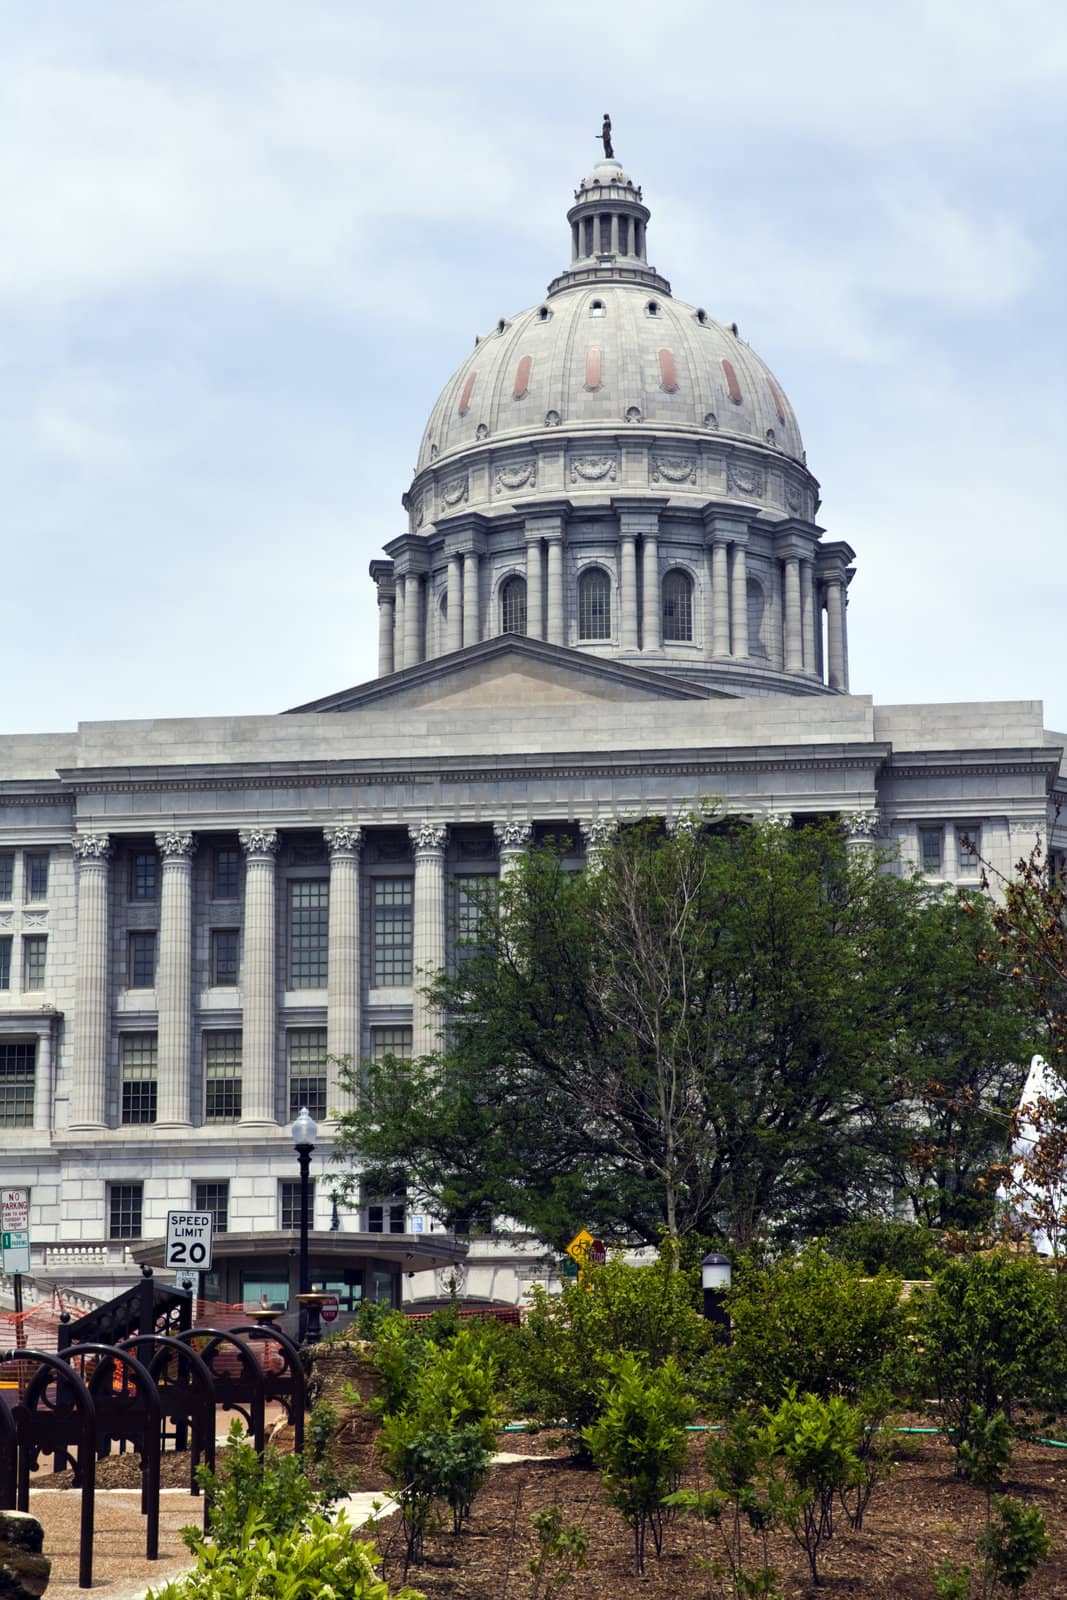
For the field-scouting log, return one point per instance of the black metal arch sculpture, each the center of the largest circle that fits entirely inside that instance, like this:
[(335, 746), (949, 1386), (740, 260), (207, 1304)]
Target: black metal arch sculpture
[(57, 1412), (241, 1390), (9, 1458), (288, 1387), (186, 1391), (131, 1411)]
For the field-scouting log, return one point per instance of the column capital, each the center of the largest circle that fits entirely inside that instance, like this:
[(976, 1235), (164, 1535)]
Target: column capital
[(91, 846), (861, 826), (598, 833), (176, 846), (428, 836), (382, 573), (261, 843), (343, 840), (722, 528), (512, 835)]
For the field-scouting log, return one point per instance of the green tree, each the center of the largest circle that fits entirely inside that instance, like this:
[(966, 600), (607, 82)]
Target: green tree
[(694, 1035)]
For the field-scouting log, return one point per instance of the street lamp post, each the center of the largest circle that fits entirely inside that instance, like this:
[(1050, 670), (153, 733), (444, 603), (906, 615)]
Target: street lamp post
[(716, 1276), (304, 1134)]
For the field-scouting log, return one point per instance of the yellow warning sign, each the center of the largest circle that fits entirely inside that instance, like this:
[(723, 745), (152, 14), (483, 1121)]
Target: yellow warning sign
[(578, 1248)]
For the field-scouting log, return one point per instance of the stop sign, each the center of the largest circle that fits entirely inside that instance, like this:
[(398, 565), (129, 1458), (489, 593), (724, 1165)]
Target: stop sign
[(598, 1253), (329, 1308)]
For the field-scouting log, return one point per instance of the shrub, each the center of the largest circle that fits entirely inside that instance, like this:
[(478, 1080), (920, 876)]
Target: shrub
[(817, 1444), (1012, 1543), (271, 1494), (990, 1333), (638, 1442), (740, 1506), (562, 1550), (318, 1558), (905, 1248), (563, 1350), (815, 1324)]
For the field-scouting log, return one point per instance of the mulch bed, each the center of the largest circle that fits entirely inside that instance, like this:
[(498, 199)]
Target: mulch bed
[(921, 1516)]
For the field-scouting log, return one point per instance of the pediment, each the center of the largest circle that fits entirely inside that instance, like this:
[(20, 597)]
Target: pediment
[(510, 671)]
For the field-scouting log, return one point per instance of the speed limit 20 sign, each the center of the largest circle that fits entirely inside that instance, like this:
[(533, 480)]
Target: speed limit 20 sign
[(189, 1240)]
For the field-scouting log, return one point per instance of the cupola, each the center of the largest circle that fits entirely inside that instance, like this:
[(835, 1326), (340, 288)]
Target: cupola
[(608, 222)]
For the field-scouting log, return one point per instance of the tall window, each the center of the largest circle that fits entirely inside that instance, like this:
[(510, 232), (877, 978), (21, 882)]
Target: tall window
[(225, 947), (7, 874), (513, 606), (756, 604), (139, 1055), (226, 873), (594, 604), (968, 850), (18, 1062), (214, 1198), (36, 877), (5, 962), (289, 1202), (125, 1202), (142, 961), (393, 926), (34, 960), (144, 875), (677, 606), (309, 921), (930, 854), (222, 1076), (390, 1042), (468, 907), (307, 1070)]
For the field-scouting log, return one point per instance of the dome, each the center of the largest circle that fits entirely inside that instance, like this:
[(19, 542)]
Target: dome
[(610, 355)]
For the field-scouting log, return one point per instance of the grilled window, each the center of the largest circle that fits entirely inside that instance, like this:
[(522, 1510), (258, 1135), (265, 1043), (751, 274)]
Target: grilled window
[(309, 921), (36, 877), (125, 1209), (140, 1055), (34, 960), (226, 873), (513, 606), (144, 875), (307, 1071), (390, 1042), (18, 1064), (468, 909), (222, 1076), (142, 961), (677, 606), (225, 955), (594, 604), (968, 851), (289, 1202), (215, 1199), (385, 1217), (930, 842), (7, 874), (393, 926), (5, 962)]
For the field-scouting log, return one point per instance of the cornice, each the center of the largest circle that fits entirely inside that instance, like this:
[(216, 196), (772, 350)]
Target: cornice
[(979, 764)]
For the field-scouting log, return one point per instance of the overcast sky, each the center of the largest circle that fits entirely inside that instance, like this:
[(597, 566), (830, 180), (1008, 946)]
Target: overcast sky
[(244, 245)]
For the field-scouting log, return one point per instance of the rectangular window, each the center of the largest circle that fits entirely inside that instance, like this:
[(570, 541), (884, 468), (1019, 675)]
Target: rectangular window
[(142, 961), (930, 849), (18, 1062), (226, 874), (222, 1076), (390, 1042), (307, 1071), (213, 1197), (125, 1206), (385, 1218), (144, 875), (968, 849), (289, 1202), (7, 874), (34, 960), (393, 924), (36, 877), (468, 908), (309, 922), (5, 962), (225, 957), (138, 1053)]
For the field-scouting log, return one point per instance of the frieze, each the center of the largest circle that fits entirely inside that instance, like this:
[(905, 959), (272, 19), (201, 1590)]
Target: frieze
[(175, 846), (454, 490), (675, 469), (744, 478), (512, 835), (428, 835), (259, 841), (343, 840), (594, 469), (519, 475)]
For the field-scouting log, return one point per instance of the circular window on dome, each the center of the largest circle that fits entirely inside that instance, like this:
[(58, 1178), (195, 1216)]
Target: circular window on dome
[(596, 308)]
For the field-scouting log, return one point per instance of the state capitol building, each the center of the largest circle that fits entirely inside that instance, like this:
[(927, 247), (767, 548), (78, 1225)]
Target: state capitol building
[(611, 597)]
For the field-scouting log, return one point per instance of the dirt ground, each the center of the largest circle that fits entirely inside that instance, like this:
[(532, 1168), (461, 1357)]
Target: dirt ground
[(921, 1516)]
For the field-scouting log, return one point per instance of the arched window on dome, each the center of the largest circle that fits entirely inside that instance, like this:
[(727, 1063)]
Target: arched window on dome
[(594, 604), (513, 606), (756, 607), (677, 607)]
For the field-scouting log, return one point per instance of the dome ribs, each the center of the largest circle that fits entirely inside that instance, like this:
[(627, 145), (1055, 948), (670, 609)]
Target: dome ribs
[(776, 396), (592, 368), (668, 375), (465, 398), (522, 376), (733, 388)]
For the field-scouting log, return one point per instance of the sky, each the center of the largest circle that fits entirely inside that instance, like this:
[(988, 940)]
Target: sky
[(244, 245)]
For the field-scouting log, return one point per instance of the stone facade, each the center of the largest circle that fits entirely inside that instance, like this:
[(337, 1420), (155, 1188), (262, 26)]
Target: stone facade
[(197, 915)]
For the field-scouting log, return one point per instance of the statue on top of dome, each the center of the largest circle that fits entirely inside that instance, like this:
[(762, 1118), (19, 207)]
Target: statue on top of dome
[(605, 134)]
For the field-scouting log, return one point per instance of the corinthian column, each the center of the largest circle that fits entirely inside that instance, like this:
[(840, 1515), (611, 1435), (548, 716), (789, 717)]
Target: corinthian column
[(807, 616), (258, 984), (596, 836), (535, 598), (92, 992), (555, 588), (428, 942), (174, 979), (628, 586), (739, 603), (342, 1018), (720, 600), (471, 620), (835, 632), (794, 649), (455, 603), (512, 838), (413, 651), (651, 614), (386, 630)]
